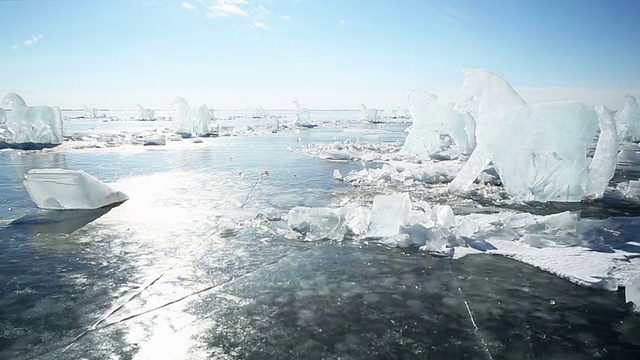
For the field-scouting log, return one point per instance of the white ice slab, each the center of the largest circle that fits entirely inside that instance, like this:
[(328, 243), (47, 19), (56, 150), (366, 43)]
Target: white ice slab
[(61, 189), (389, 212)]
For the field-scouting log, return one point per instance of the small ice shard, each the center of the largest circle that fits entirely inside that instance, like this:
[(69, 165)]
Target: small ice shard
[(318, 223), (398, 240), (303, 116), (61, 189), (367, 114), (189, 120), (145, 114), (539, 151), (478, 244), (356, 218), (388, 214), (89, 113), (33, 124), (331, 154), (628, 120), (431, 118), (154, 141), (632, 292)]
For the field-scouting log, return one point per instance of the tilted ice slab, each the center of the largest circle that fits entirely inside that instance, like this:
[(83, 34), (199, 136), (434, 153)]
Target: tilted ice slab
[(430, 118), (303, 115), (189, 120), (61, 189), (628, 120), (33, 124), (539, 151), (368, 114)]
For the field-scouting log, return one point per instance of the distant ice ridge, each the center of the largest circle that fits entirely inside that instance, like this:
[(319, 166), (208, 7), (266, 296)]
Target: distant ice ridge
[(368, 114), (61, 189), (539, 151), (33, 124), (145, 114), (594, 253), (430, 119), (189, 120), (628, 120)]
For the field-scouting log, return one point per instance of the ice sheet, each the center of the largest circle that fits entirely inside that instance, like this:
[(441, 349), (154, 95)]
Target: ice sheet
[(61, 189)]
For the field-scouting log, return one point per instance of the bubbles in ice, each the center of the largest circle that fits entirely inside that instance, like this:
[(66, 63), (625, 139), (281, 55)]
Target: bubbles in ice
[(539, 151), (33, 124)]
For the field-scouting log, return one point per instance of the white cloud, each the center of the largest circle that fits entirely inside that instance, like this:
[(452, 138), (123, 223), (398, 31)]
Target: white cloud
[(226, 8), (188, 5), (285, 17), (260, 25), (34, 39)]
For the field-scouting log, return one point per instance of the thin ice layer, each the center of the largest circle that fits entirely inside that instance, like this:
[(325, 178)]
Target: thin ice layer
[(61, 189), (539, 151), (33, 124)]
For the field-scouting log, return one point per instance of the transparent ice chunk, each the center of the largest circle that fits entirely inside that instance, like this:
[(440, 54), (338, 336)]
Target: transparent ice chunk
[(145, 114), (368, 114), (89, 113), (388, 213), (62, 189), (628, 120), (303, 116), (632, 292), (318, 223), (33, 124), (189, 120)]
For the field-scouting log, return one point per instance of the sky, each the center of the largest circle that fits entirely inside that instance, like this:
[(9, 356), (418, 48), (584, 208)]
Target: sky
[(327, 54)]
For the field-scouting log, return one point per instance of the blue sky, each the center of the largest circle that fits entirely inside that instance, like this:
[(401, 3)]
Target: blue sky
[(324, 53)]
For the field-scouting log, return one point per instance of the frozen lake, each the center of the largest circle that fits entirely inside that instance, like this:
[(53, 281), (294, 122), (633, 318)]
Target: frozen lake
[(190, 267)]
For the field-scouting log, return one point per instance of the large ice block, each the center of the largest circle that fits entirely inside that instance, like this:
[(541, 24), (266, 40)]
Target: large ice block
[(318, 223), (539, 151), (430, 119), (33, 124), (61, 189), (303, 116), (145, 114), (189, 120), (368, 114), (90, 113), (388, 214), (628, 120)]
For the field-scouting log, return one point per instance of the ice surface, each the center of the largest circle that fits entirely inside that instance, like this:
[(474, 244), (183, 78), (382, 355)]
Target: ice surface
[(33, 124), (539, 151), (89, 113), (145, 114), (430, 118), (632, 291), (62, 189), (388, 214), (628, 120), (303, 115), (189, 120), (366, 114)]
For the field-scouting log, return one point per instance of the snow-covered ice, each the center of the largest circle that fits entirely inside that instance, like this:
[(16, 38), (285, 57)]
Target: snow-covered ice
[(61, 189)]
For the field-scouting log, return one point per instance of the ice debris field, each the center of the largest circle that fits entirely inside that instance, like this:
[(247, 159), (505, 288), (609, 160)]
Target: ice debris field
[(460, 180)]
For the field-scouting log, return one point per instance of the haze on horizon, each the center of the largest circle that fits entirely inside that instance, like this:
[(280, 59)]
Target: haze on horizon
[(327, 54)]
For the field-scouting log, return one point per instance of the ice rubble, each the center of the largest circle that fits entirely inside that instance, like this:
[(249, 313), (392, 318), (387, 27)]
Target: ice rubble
[(189, 120), (584, 251), (628, 120), (632, 291), (303, 116), (368, 114), (430, 118), (539, 151), (33, 124), (61, 189), (145, 114)]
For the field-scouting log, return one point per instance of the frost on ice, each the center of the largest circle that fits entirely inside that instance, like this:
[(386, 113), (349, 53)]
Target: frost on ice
[(303, 116), (368, 114), (33, 124), (189, 120), (628, 120), (430, 118), (539, 151), (145, 114), (61, 189)]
